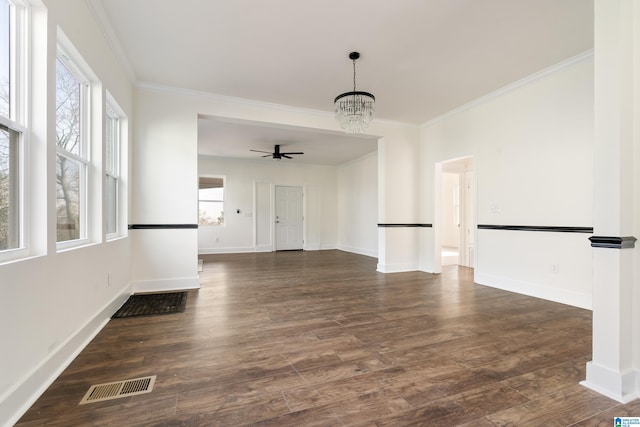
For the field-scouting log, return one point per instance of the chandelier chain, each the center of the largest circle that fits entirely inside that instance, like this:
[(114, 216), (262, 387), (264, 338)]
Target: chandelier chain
[(354, 75)]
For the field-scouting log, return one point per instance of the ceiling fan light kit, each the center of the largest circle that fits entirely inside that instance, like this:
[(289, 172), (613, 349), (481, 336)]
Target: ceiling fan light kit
[(354, 110)]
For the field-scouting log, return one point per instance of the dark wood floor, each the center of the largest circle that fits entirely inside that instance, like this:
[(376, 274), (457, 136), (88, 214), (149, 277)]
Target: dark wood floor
[(321, 339)]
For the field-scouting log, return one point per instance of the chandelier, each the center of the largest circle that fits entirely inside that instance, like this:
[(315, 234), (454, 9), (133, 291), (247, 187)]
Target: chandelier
[(354, 110)]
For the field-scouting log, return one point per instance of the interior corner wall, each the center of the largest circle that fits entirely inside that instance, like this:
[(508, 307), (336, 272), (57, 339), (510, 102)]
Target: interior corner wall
[(358, 206), (533, 150), (636, 224), (249, 188), (89, 283)]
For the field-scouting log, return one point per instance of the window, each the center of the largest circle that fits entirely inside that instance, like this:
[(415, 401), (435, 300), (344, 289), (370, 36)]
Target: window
[(12, 128), (211, 201), (9, 188), (112, 171), (6, 37), (72, 135)]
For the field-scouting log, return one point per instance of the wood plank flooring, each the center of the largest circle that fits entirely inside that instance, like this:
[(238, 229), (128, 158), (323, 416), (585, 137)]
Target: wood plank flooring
[(322, 339)]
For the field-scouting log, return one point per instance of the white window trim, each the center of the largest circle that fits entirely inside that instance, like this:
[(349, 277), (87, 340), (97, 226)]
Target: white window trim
[(114, 111), (19, 107), (72, 63)]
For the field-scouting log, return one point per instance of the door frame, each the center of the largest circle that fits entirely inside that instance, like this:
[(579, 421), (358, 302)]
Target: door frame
[(462, 165)]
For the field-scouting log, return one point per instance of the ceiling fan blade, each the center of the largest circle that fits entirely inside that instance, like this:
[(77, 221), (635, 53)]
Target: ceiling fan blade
[(260, 151), (267, 155), (297, 152), (285, 156)]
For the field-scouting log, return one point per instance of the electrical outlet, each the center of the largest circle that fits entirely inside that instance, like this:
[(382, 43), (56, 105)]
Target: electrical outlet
[(555, 268), (217, 240)]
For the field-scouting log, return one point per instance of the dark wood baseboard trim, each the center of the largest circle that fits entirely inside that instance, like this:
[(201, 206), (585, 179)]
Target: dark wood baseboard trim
[(405, 225), (161, 226), (613, 242), (552, 229)]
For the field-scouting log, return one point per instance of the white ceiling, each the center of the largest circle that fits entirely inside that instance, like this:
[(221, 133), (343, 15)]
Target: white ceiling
[(420, 58), (234, 138)]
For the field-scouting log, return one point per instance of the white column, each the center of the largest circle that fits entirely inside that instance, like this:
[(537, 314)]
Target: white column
[(611, 370), (398, 227)]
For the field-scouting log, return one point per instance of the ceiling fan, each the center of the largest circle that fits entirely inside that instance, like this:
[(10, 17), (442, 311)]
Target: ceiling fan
[(277, 155)]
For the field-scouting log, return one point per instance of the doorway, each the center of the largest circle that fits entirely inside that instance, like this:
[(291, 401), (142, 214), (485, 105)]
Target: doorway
[(457, 213), (288, 218)]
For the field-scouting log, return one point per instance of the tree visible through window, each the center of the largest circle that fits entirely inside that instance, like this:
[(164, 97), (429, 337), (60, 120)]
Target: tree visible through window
[(10, 130), (9, 189), (211, 201), (72, 159)]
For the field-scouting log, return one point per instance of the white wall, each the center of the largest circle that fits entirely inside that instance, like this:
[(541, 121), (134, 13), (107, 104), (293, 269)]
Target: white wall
[(636, 205), (533, 147), (166, 171), (54, 302), (398, 202), (249, 187), (358, 206)]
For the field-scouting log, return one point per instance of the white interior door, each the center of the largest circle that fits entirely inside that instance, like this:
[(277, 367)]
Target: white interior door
[(288, 218), (468, 221)]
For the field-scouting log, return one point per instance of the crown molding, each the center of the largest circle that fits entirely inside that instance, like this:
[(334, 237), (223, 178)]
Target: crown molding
[(511, 87), (99, 14)]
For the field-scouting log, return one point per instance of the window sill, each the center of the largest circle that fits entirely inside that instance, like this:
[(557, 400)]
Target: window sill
[(73, 244), (17, 255)]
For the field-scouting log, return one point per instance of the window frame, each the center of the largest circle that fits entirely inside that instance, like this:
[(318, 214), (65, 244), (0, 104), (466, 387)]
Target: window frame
[(224, 195), (115, 113), (83, 157), (16, 121)]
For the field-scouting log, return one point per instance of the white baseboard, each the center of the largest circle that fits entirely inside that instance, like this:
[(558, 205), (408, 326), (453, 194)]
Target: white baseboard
[(397, 268), (266, 248), (212, 251), (359, 251), (535, 290), (615, 385), (325, 247), (164, 285), (19, 399)]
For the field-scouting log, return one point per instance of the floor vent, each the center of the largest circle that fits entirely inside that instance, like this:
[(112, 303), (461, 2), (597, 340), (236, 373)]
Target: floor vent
[(118, 389)]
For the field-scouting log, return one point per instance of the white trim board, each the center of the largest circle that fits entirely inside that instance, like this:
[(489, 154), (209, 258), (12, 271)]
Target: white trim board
[(535, 290), (164, 285), (397, 267), (359, 251), (615, 385)]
